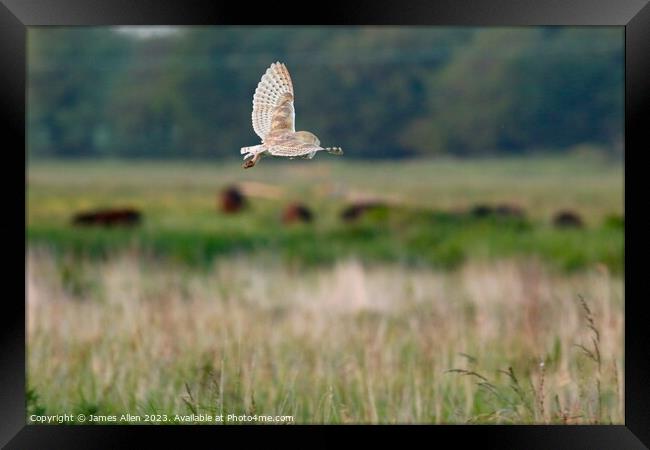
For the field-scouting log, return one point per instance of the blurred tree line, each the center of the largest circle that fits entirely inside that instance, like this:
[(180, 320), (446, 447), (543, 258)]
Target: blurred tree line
[(375, 91)]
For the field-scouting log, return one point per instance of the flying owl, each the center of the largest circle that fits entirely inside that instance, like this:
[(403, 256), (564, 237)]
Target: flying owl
[(274, 121)]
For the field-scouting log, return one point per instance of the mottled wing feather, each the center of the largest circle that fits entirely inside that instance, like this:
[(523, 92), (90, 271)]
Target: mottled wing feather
[(283, 116), (273, 102), (301, 150), (292, 147)]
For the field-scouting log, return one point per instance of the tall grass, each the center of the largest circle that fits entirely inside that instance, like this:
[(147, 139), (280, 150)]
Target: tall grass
[(498, 342)]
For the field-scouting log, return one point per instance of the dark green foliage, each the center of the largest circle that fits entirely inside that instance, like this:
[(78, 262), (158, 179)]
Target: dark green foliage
[(71, 75), (375, 91)]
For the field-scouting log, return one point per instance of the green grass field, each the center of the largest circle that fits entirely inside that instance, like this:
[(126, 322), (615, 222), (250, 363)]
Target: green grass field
[(179, 203), (418, 312)]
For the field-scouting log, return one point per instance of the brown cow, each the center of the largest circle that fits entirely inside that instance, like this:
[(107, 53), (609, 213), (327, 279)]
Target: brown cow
[(108, 217), (509, 210), (567, 219), (504, 210), (231, 200), (296, 212), (356, 210), (481, 210)]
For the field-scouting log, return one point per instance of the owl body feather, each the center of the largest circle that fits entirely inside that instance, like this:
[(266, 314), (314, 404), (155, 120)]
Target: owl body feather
[(273, 120)]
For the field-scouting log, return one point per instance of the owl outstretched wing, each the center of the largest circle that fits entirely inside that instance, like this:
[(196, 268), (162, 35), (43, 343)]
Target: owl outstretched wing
[(273, 102)]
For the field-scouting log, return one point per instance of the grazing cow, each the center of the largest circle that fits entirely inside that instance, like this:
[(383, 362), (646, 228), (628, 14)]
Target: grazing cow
[(295, 213), (502, 210), (481, 211), (509, 210), (108, 217), (231, 200), (356, 210), (567, 219)]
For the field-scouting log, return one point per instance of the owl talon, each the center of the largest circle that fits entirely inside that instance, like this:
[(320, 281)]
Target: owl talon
[(251, 162)]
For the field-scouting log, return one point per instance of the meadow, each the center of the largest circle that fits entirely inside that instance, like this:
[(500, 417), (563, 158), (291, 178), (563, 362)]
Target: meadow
[(425, 222), (418, 312)]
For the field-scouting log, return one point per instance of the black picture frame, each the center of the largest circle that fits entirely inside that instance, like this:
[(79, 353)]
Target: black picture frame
[(633, 15)]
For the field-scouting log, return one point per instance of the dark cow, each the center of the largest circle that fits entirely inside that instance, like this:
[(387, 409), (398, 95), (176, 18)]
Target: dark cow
[(502, 210), (567, 219), (509, 211), (231, 200), (108, 217), (481, 211), (295, 213)]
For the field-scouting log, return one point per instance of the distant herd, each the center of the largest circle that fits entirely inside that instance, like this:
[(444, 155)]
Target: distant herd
[(232, 200)]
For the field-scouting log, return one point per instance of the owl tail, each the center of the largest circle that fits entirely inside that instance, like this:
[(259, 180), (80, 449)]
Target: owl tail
[(334, 150), (252, 151)]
